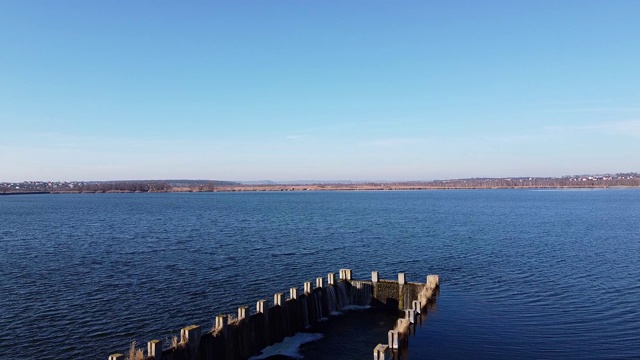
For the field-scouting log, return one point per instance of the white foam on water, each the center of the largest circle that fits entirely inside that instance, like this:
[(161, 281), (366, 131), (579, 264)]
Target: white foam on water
[(289, 346)]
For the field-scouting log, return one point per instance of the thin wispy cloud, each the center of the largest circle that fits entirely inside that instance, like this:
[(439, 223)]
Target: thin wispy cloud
[(595, 110), (394, 142), (69, 142), (353, 125), (294, 137), (520, 138), (628, 128)]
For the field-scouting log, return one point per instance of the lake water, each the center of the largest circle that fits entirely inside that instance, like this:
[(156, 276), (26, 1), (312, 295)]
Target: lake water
[(524, 274)]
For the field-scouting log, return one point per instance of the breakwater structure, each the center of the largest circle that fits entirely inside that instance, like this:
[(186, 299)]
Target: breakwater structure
[(248, 334)]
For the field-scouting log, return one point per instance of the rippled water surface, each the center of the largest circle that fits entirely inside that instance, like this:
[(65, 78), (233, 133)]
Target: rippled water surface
[(525, 274)]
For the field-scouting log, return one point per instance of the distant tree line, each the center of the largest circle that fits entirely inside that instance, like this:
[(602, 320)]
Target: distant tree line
[(123, 186), (112, 186), (575, 181), (627, 179)]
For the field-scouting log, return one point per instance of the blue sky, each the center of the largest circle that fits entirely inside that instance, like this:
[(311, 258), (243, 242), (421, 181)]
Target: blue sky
[(287, 90)]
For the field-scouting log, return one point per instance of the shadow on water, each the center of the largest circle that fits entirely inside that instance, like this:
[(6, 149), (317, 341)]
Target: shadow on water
[(347, 336), (355, 334)]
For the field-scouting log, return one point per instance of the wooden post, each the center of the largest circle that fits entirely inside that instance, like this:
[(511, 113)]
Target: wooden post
[(392, 336), (349, 274), (416, 306), (261, 306), (402, 279), (410, 314), (278, 299), (331, 278), (154, 348), (345, 274), (190, 335), (242, 312), (433, 281), (381, 352)]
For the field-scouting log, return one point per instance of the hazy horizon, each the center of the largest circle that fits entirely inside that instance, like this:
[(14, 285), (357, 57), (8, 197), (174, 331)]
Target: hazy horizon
[(100, 90), (310, 181)]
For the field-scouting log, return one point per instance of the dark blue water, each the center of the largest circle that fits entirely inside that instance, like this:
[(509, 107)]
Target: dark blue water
[(525, 274)]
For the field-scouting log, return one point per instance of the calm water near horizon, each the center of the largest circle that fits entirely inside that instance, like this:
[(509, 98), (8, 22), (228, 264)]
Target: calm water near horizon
[(525, 274)]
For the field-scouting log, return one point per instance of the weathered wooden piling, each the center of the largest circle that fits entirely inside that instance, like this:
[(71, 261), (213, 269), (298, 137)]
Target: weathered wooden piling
[(382, 352), (413, 294), (331, 278), (154, 348), (276, 321), (402, 278), (190, 336), (221, 323), (410, 314), (392, 336), (345, 274), (278, 299), (416, 306), (243, 311), (261, 306)]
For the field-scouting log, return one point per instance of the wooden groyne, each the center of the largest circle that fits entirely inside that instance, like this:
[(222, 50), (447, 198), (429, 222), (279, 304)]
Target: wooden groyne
[(242, 335), (418, 296)]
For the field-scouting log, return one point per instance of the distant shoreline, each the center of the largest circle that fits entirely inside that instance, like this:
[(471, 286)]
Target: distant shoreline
[(332, 187), (25, 193)]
